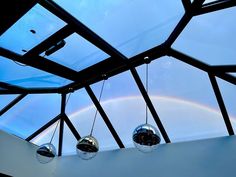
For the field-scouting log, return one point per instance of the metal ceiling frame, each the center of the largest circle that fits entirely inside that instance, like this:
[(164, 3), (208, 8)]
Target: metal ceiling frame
[(115, 64)]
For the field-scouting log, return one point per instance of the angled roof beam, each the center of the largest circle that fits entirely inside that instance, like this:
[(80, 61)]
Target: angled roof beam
[(61, 128), (224, 68), (41, 63), (104, 116), (221, 104), (80, 28), (11, 87), (150, 105), (31, 91), (186, 4), (183, 22), (200, 65), (214, 6), (12, 103), (112, 67), (11, 15), (71, 127), (40, 130), (53, 39)]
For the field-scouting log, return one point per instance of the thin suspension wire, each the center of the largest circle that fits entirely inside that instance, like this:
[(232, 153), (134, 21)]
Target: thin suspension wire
[(147, 92), (59, 121), (95, 116), (55, 131)]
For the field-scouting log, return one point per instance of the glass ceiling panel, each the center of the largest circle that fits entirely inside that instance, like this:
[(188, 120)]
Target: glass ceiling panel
[(30, 114), (233, 74), (47, 135), (208, 40), (26, 76), (228, 92), (184, 99), (35, 26), (78, 53), (208, 1), (130, 26), (81, 111), (6, 99), (69, 142), (123, 104)]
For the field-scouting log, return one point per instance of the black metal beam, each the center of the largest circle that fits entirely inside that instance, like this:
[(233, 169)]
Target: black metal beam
[(149, 104), (112, 67), (61, 128), (11, 87), (183, 22), (71, 127), (224, 68), (40, 130), (53, 39), (41, 63), (215, 6), (221, 104), (81, 29), (12, 103), (186, 4), (13, 10), (104, 116), (200, 65), (32, 91)]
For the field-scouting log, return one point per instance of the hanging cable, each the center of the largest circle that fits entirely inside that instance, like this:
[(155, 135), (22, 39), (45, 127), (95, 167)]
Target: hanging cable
[(146, 91), (97, 109), (54, 131)]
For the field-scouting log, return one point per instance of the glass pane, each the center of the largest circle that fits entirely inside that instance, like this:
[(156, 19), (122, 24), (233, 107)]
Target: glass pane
[(130, 26), (202, 40), (6, 99), (33, 27), (124, 105), (228, 92), (47, 135), (69, 142), (208, 1), (233, 74), (78, 53), (27, 76), (30, 114), (184, 99), (81, 111)]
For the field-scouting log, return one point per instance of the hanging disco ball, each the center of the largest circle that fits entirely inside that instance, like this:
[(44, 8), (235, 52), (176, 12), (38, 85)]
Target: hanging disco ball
[(146, 138), (45, 153), (87, 147)]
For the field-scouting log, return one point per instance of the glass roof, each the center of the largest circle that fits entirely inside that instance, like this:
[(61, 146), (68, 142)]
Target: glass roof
[(27, 76), (6, 99), (180, 89), (78, 53), (33, 27), (130, 26), (187, 112), (207, 40)]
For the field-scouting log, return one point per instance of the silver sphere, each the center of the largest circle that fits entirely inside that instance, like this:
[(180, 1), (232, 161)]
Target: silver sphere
[(45, 153), (87, 147), (146, 138)]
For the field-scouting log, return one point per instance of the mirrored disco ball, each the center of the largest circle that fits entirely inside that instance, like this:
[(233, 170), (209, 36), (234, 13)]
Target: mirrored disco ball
[(45, 153), (87, 147), (146, 138)]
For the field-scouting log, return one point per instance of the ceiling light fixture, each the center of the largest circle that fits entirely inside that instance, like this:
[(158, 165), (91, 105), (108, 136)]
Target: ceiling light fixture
[(55, 47), (46, 152), (146, 137), (87, 147)]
